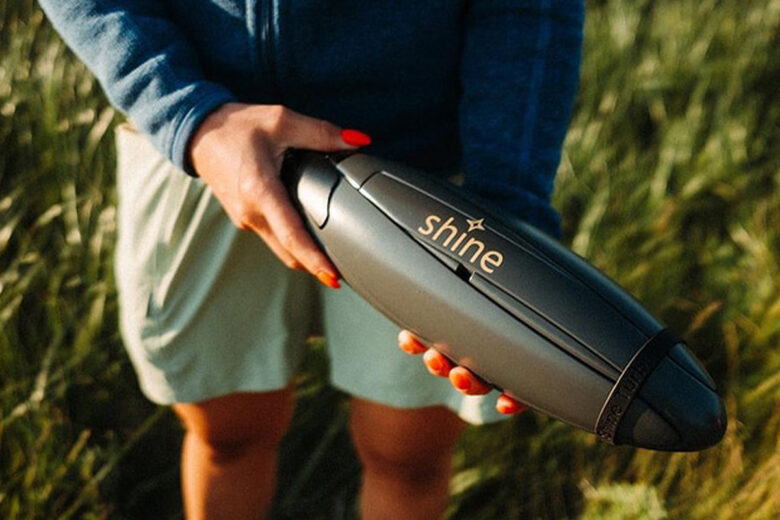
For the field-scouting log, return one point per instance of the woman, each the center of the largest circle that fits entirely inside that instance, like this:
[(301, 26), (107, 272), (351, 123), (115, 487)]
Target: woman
[(213, 323)]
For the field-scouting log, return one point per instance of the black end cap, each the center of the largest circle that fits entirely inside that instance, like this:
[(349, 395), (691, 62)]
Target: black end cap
[(674, 411)]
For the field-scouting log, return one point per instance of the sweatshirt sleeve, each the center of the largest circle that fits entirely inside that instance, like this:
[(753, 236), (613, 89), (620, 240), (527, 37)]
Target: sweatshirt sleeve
[(144, 63), (519, 73)]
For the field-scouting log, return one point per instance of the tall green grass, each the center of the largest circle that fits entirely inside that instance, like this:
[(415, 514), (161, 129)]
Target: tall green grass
[(669, 183), (70, 412)]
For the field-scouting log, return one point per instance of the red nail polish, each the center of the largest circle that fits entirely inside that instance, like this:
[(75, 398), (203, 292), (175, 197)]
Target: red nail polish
[(506, 405), (460, 381), (411, 347), (329, 279), (407, 347), (355, 137), (436, 365)]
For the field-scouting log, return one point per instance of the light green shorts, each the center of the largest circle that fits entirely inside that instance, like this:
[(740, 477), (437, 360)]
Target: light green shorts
[(207, 310)]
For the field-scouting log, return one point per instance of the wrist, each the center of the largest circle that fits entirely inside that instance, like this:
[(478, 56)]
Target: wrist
[(199, 142)]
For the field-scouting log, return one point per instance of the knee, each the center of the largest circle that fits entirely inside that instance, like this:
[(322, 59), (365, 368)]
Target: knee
[(412, 466), (229, 427), (413, 446)]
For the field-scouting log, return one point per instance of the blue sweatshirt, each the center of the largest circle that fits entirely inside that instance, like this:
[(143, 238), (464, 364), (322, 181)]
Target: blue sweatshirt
[(480, 86)]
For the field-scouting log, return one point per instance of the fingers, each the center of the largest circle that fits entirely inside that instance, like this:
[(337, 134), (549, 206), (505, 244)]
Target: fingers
[(409, 343), (238, 151), (296, 130), (460, 377), (289, 233), (439, 365), (507, 405), (277, 249), (436, 363), (465, 381), (289, 129)]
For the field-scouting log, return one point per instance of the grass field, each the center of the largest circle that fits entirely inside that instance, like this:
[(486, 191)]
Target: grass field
[(670, 183)]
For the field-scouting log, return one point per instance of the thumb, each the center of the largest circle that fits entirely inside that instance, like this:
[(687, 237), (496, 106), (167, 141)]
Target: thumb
[(300, 131)]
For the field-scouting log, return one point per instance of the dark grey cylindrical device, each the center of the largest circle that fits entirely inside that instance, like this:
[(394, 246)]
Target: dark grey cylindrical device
[(504, 300)]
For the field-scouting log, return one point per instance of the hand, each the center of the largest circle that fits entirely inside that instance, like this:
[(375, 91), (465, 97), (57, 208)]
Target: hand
[(238, 151), (460, 377)]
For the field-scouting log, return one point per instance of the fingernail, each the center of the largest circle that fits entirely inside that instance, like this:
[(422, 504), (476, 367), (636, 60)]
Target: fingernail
[(406, 346), (355, 137), (460, 381), (506, 405), (410, 347), (329, 279), (436, 365)]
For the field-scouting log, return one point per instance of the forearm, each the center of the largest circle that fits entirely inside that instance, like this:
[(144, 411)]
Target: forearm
[(144, 63), (520, 72)]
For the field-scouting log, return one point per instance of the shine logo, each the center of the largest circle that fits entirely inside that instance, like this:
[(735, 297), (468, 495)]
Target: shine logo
[(462, 243)]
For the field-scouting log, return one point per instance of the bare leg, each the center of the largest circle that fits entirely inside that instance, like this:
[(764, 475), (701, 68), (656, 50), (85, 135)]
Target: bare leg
[(229, 454), (406, 456)]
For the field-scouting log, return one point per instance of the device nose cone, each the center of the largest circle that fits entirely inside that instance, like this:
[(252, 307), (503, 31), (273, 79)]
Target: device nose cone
[(703, 423), (706, 424), (674, 411)]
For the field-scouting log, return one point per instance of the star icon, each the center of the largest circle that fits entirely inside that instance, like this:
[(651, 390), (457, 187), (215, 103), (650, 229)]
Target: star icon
[(475, 225)]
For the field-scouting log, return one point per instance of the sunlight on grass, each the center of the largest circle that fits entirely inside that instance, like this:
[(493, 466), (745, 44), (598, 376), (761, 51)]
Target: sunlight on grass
[(669, 183)]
